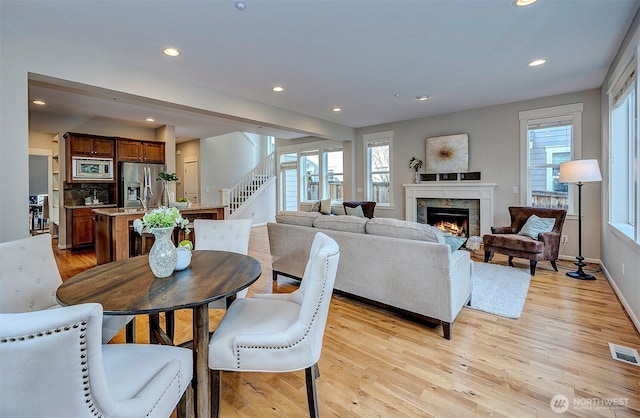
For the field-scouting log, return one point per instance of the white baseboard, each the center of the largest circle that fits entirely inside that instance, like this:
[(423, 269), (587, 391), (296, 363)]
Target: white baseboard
[(625, 305)]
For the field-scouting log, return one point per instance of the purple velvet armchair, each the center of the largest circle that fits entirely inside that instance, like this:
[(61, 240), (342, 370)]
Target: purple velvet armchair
[(506, 240)]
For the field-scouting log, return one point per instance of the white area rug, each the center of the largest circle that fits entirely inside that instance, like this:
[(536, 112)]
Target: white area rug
[(500, 290)]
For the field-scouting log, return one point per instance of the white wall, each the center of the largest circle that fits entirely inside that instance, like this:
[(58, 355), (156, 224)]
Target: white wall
[(20, 56), (262, 208), (618, 249), (224, 160)]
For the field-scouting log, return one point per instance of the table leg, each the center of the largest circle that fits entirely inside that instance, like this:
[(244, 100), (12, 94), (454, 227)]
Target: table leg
[(201, 361)]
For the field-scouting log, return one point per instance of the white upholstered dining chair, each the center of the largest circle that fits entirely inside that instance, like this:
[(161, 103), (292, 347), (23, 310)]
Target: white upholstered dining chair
[(29, 278), (223, 235), (53, 364), (278, 332)]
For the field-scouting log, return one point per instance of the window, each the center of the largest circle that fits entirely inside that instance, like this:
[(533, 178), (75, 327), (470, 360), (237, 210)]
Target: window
[(289, 182), (624, 154), (310, 172), (549, 136), (334, 178), (377, 148)]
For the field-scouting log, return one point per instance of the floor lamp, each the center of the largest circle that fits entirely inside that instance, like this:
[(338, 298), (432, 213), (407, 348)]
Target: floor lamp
[(579, 172)]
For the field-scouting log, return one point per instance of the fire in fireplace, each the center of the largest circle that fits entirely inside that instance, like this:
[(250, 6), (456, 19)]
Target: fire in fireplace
[(454, 221)]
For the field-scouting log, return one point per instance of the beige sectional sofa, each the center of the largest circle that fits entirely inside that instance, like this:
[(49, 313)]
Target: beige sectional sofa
[(403, 266)]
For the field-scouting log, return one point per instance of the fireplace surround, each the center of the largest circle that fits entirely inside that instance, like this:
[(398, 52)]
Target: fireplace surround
[(482, 192)]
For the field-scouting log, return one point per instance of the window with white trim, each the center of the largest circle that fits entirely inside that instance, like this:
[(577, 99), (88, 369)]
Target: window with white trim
[(624, 152), (310, 172), (549, 136), (378, 158)]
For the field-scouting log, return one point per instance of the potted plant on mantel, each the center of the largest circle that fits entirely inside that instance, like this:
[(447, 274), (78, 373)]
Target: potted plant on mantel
[(166, 178)]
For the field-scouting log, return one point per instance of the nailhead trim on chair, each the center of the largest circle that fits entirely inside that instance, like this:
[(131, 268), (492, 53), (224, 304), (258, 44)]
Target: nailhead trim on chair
[(83, 356), (315, 313)]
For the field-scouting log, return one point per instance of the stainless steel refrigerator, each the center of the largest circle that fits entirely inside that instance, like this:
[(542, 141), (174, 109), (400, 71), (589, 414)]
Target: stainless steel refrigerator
[(139, 181)]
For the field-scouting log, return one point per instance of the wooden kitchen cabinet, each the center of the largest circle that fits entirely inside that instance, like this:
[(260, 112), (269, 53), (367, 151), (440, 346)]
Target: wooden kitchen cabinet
[(153, 152), (83, 145), (140, 151), (80, 225)]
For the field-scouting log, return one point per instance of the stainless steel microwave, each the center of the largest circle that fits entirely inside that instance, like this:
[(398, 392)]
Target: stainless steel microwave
[(92, 168)]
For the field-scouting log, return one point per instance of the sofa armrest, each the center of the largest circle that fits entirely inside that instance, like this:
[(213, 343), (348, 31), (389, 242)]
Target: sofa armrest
[(551, 241), (502, 230)]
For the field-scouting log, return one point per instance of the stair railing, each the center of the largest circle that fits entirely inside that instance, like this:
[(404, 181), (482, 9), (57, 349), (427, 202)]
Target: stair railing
[(234, 197)]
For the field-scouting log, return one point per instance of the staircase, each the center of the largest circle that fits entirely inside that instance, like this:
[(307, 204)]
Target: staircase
[(244, 190)]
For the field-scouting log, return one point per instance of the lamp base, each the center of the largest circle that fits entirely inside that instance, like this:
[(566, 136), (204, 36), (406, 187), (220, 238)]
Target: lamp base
[(581, 275)]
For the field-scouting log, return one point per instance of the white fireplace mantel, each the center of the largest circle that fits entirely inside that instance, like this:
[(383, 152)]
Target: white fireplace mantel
[(484, 192)]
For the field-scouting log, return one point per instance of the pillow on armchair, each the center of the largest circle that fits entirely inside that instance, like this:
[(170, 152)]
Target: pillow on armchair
[(536, 225)]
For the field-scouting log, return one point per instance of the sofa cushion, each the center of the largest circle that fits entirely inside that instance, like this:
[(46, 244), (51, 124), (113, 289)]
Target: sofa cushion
[(315, 206), (396, 228), (357, 211), (344, 223), (297, 218), (325, 206), (454, 242)]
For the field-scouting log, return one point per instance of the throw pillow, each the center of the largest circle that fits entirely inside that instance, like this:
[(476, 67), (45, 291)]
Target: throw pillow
[(315, 206), (357, 211), (454, 242), (536, 225), (325, 207)]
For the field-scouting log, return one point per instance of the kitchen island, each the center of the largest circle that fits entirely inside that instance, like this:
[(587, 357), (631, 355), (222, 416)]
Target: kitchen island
[(114, 228)]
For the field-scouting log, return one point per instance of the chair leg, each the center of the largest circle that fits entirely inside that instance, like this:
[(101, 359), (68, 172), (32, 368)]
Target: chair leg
[(215, 391), (170, 323), (487, 256), (275, 276), (532, 267), (553, 264), (311, 373), (185, 405), (130, 332), (511, 261)]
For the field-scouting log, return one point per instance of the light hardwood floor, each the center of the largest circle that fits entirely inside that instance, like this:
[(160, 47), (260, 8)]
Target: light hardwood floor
[(377, 364)]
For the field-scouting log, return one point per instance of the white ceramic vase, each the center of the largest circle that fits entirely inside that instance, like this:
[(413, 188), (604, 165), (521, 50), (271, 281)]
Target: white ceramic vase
[(416, 179), (163, 255)]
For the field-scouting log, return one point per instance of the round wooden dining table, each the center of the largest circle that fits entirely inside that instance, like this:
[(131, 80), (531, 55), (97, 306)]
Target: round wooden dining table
[(128, 287)]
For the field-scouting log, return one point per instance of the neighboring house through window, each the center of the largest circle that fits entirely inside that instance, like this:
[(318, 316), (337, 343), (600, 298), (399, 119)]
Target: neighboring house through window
[(378, 157), (549, 136)]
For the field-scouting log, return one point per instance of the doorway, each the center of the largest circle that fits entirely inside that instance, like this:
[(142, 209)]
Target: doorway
[(191, 181)]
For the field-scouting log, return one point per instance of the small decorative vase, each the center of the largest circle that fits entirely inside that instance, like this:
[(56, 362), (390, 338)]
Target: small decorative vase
[(165, 194), (163, 255), (416, 179)]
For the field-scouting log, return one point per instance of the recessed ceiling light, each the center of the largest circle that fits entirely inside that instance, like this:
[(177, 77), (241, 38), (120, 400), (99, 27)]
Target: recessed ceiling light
[(522, 3), (396, 95), (278, 89), (172, 52), (336, 109), (240, 5), (537, 62), (422, 98), (38, 102), (150, 120)]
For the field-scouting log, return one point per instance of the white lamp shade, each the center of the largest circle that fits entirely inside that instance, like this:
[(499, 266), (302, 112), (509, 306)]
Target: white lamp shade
[(580, 171)]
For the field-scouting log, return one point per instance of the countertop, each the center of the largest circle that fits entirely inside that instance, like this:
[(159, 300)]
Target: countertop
[(115, 211), (91, 206)]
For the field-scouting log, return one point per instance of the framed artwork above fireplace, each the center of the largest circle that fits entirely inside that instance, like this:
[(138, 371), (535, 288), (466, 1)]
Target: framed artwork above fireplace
[(447, 154)]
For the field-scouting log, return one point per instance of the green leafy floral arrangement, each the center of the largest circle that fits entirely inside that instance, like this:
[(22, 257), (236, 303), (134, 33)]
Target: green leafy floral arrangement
[(168, 177), (161, 217), (415, 163)]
